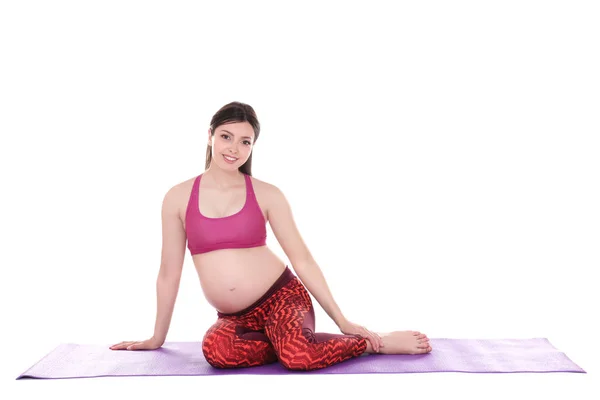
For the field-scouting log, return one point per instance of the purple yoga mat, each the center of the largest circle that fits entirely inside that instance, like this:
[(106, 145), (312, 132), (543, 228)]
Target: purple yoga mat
[(186, 358)]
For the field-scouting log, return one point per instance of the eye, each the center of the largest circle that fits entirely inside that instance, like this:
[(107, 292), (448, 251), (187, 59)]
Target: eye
[(224, 135), (246, 141)]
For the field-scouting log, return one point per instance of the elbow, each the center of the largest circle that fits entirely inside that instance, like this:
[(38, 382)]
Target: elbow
[(169, 275), (304, 263)]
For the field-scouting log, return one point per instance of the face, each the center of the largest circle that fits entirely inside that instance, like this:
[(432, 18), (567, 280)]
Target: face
[(234, 140)]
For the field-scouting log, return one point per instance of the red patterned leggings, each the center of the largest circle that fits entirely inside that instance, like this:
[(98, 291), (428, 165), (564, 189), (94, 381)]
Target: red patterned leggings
[(277, 327)]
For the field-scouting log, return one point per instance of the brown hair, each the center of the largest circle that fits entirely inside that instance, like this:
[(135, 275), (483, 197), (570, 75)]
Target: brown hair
[(234, 112)]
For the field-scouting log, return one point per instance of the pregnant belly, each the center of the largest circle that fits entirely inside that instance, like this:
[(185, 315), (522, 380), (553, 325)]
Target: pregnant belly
[(233, 279)]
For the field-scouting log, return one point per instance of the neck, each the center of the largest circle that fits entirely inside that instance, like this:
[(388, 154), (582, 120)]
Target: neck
[(221, 178)]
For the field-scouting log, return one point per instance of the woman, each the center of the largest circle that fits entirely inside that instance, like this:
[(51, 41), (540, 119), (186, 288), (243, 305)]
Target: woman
[(264, 311)]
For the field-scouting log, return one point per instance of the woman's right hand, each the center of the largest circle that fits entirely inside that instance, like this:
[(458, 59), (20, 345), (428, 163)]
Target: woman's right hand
[(150, 344)]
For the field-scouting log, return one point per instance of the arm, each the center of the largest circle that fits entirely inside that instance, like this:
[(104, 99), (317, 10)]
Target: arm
[(171, 264), (285, 230)]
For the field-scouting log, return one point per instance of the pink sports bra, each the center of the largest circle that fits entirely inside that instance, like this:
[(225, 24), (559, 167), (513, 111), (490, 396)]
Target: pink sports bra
[(246, 228)]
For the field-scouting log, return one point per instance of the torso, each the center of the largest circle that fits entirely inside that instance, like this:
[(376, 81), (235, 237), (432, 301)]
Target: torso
[(232, 279)]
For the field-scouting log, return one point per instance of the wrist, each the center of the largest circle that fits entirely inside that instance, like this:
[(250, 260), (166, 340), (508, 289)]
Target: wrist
[(341, 322), (158, 339)]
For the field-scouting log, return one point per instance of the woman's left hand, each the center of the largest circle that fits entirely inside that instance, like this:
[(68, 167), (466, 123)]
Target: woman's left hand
[(350, 328)]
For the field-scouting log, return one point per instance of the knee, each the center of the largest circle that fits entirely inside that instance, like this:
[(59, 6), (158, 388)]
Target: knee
[(212, 348), (221, 350), (289, 362), (296, 362)]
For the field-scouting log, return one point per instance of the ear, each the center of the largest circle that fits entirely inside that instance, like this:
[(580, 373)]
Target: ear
[(209, 137)]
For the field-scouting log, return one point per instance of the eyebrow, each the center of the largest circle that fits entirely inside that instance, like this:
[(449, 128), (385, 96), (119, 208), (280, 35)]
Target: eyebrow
[(243, 137)]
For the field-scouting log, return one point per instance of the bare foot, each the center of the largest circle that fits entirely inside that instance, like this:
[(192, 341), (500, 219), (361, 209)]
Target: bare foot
[(402, 342)]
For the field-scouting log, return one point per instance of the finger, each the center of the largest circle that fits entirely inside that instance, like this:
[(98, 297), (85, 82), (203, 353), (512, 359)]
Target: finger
[(373, 343), (373, 340), (380, 339), (376, 338), (378, 345), (120, 345), (124, 345), (363, 333), (376, 341), (134, 346)]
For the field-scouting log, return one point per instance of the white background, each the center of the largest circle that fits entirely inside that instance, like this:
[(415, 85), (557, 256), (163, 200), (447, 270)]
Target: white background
[(440, 158)]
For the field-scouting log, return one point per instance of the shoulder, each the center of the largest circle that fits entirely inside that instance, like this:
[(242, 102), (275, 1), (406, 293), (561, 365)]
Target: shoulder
[(267, 193), (177, 196), (265, 189), (181, 189)]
